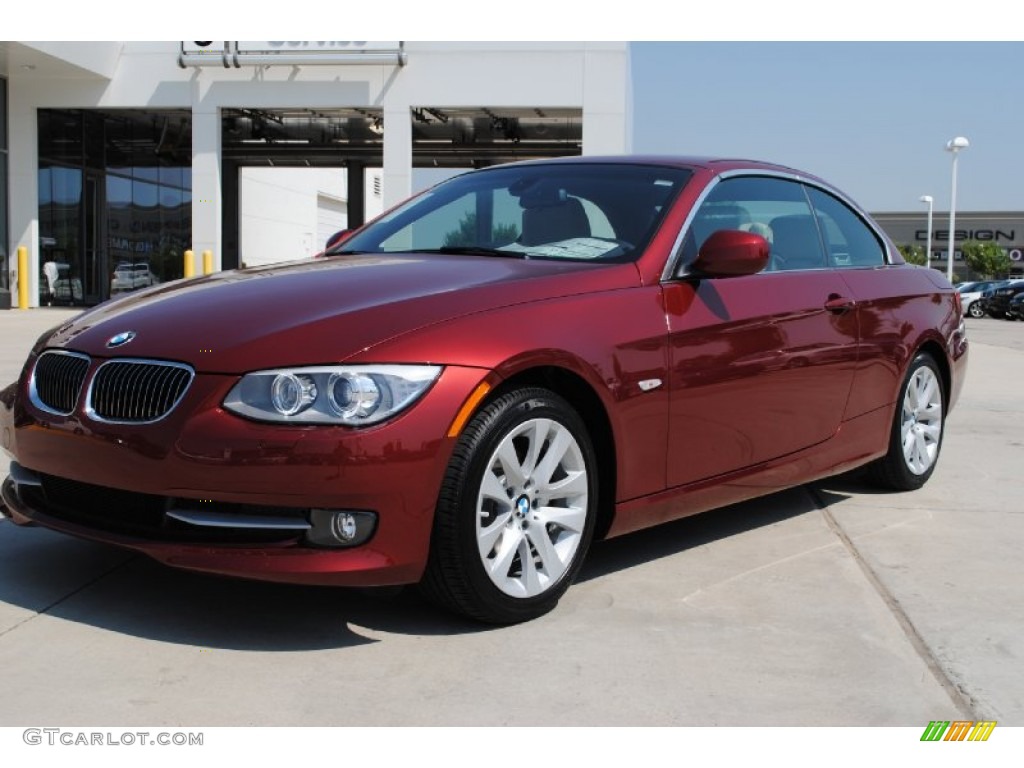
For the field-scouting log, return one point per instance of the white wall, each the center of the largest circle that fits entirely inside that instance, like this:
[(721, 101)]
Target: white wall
[(332, 216), (288, 213), (279, 212)]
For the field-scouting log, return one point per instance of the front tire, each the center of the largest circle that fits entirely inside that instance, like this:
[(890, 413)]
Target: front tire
[(916, 435), (976, 309), (516, 511)]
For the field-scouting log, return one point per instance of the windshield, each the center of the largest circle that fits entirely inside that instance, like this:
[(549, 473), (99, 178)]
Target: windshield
[(584, 212)]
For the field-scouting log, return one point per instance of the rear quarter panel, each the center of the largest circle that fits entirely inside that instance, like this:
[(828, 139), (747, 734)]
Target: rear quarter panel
[(900, 309)]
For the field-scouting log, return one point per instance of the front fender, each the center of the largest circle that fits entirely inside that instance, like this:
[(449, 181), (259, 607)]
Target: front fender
[(616, 341)]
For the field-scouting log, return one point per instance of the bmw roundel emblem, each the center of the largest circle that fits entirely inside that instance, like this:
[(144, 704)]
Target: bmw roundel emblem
[(121, 339)]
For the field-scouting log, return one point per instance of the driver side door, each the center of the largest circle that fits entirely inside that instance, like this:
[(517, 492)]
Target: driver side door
[(761, 365)]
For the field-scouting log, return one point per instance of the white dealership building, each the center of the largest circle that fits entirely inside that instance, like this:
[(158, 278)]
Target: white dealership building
[(116, 157)]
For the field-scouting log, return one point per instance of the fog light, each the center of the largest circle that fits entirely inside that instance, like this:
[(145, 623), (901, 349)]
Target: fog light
[(340, 527), (345, 526)]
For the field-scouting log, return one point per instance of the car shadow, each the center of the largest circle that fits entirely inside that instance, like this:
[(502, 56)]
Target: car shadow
[(840, 487), (104, 587), (42, 572), (669, 539)]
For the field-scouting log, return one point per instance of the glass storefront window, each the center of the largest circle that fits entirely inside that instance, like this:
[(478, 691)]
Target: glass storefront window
[(146, 174), (3, 185), (120, 219), (3, 115), (60, 217), (174, 177), (60, 135), (3, 221)]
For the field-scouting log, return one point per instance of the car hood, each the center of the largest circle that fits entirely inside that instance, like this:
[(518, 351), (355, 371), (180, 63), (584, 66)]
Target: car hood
[(307, 313)]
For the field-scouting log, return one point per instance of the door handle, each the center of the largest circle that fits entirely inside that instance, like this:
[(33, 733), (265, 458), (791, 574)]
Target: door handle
[(839, 304)]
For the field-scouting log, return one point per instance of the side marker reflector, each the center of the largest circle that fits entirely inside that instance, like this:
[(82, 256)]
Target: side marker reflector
[(468, 407)]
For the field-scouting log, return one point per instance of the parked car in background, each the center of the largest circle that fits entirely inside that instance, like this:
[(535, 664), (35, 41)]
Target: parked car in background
[(1015, 309), (999, 303), (130, 276), (469, 389), (975, 295), (972, 298)]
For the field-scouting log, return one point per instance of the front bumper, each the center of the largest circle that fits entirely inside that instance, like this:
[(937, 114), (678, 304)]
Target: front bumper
[(202, 455)]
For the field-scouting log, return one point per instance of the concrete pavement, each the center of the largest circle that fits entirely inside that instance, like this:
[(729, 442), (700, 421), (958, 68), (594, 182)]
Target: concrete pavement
[(828, 605)]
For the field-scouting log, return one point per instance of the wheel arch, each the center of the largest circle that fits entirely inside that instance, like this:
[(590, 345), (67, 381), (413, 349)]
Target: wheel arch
[(582, 396), (938, 354)]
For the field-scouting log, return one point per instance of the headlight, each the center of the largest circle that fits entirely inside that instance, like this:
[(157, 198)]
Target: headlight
[(290, 394), (352, 395)]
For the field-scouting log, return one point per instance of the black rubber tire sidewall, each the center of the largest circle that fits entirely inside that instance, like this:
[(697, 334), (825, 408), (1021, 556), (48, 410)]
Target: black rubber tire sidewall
[(455, 575)]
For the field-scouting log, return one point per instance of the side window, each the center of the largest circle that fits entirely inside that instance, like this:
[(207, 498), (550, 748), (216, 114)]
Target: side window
[(776, 209), (848, 240)]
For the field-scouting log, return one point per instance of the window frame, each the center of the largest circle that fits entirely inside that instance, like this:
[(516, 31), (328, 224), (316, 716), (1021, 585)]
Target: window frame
[(673, 269), (605, 174), (820, 213)]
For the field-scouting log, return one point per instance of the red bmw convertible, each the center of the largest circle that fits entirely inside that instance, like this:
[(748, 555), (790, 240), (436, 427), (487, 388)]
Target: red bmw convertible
[(471, 388)]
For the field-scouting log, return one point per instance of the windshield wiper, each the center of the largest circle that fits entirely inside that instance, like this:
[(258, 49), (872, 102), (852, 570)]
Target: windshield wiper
[(475, 250)]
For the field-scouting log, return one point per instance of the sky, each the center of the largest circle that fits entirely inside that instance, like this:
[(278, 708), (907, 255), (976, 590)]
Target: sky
[(870, 113), (872, 118)]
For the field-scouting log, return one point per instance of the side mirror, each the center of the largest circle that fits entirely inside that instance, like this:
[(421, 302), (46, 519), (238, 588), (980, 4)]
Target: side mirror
[(336, 238), (731, 253), (332, 241)]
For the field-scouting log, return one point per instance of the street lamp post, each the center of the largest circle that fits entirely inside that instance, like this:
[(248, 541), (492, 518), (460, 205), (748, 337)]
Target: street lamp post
[(954, 145), (928, 254)]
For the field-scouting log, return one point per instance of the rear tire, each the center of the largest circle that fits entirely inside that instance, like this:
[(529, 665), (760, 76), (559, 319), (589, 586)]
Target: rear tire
[(915, 438)]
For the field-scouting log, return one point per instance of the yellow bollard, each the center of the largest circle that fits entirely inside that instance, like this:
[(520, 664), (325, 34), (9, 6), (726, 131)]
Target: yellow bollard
[(190, 264), (207, 262), (22, 277)]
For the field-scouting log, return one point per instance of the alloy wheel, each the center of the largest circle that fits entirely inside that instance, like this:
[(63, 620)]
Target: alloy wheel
[(532, 507), (921, 425)]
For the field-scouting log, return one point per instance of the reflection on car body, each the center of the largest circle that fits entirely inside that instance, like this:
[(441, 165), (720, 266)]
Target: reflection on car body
[(468, 390)]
